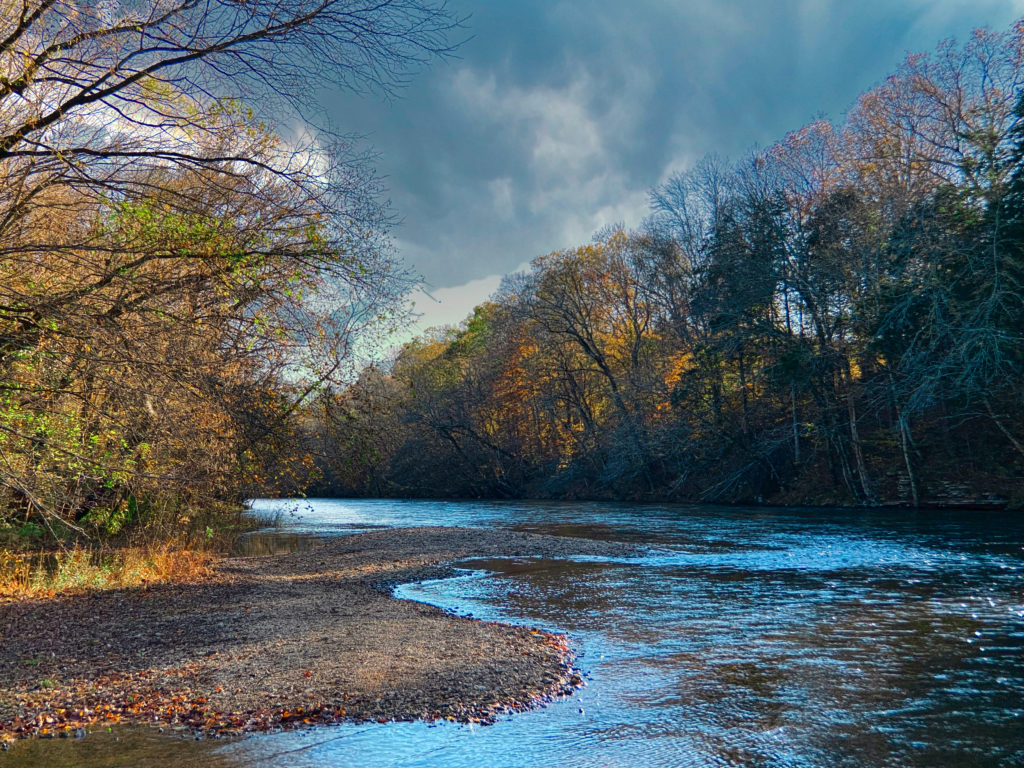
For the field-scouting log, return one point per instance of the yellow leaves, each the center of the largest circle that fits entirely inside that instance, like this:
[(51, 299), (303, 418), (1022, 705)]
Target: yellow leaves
[(855, 369), (678, 364)]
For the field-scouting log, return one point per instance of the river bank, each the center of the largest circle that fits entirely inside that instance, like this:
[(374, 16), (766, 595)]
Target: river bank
[(292, 639)]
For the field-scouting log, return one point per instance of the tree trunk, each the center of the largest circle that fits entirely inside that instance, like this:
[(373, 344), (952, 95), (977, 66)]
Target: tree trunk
[(1002, 428), (743, 395), (796, 427), (905, 443), (855, 445)]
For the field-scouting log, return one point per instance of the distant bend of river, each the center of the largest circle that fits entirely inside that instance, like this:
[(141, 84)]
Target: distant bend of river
[(748, 637)]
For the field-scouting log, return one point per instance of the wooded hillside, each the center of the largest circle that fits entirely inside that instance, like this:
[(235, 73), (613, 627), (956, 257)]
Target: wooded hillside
[(836, 319)]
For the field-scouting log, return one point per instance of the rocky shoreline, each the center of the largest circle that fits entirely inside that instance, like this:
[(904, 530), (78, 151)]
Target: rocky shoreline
[(284, 641)]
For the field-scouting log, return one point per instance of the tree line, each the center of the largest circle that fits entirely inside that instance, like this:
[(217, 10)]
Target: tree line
[(836, 319), (178, 272)]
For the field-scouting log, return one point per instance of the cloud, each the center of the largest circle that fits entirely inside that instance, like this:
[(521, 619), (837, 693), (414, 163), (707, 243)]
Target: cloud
[(562, 143), (554, 126), (558, 116), (501, 196)]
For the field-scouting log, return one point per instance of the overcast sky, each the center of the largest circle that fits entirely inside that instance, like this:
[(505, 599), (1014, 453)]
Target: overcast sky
[(558, 116)]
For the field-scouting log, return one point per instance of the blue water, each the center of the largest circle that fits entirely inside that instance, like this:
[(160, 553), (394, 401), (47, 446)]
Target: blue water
[(746, 637)]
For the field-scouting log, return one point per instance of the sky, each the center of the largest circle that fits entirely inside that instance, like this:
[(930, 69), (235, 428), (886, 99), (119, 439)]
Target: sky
[(555, 118)]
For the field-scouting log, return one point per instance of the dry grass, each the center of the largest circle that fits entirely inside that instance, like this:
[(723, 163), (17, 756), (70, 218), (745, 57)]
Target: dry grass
[(82, 569), (166, 545)]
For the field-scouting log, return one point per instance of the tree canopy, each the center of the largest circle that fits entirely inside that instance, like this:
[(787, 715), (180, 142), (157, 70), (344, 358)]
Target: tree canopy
[(834, 319), (179, 267)]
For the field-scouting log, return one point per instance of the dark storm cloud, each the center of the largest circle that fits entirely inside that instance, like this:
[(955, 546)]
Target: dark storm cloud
[(558, 116)]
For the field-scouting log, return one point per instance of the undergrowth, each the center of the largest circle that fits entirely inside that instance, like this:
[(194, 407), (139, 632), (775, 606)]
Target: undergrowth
[(33, 564), (82, 569)]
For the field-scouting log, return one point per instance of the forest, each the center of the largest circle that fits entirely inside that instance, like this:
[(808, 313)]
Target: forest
[(837, 319)]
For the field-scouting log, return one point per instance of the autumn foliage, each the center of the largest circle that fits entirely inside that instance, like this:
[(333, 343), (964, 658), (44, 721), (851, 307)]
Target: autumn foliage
[(178, 273), (836, 319)]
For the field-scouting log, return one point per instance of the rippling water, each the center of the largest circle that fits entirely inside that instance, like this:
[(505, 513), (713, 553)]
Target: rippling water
[(746, 637)]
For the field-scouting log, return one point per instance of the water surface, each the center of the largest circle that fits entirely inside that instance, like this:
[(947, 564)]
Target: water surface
[(746, 637)]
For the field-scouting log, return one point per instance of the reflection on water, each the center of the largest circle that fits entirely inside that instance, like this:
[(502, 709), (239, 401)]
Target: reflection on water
[(120, 748), (746, 637)]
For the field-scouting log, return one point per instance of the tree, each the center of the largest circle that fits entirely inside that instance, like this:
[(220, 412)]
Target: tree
[(592, 298), (177, 275), (836, 319)]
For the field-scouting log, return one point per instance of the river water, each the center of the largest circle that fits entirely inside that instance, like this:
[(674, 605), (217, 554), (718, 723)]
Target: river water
[(747, 637)]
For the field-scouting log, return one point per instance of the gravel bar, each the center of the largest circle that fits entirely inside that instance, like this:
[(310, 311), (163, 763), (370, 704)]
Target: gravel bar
[(284, 641)]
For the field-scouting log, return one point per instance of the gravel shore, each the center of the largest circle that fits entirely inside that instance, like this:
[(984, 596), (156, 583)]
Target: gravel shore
[(286, 640)]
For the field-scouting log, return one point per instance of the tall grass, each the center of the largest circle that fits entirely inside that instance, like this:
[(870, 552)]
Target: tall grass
[(162, 545), (81, 569)]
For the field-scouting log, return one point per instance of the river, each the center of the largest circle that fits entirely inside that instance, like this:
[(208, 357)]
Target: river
[(747, 637)]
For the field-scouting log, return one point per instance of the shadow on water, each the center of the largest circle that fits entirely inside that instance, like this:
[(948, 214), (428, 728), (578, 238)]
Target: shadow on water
[(119, 748)]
